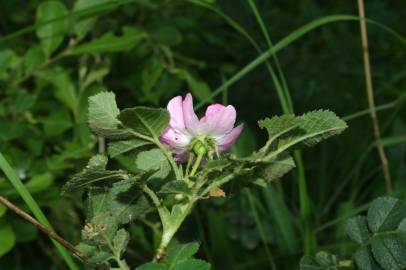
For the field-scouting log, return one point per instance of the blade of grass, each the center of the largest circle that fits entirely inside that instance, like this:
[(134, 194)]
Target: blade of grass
[(287, 97), (261, 231), (293, 36), (33, 206), (309, 240)]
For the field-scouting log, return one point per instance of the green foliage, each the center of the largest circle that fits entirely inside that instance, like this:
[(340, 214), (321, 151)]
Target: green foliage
[(52, 24), (145, 123), (7, 237), (111, 43), (179, 257), (103, 112), (324, 260), (381, 234)]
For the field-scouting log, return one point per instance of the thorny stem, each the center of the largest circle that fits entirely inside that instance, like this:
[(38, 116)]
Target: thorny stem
[(371, 102), (48, 232)]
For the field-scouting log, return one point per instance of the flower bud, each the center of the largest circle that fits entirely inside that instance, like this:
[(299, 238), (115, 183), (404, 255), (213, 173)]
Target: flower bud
[(199, 148)]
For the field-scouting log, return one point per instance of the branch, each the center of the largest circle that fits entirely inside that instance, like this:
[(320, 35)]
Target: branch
[(44, 229)]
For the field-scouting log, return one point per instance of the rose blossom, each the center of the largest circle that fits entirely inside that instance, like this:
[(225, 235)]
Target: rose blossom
[(215, 129)]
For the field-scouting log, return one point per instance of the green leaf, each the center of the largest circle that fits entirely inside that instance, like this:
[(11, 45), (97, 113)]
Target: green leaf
[(145, 122), (357, 229), (384, 236), (364, 259), (3, 210), (7, 237), (389, 251), (33, 58), (39, 182), (323, 261), (385, 214), (178, 253), (23, 230), (175, 187), (199, 88), (88, 10), (151, 73), (194, 264), (57, 122), (167, 35), (52, 24), (120, 147), (91, 177), (153, 160), (64, 89), (121, 240), (275, 169), (307, 130), (103, 112), (110, 43), (99, 258), (152, 266), (98, 161), (126, 201)]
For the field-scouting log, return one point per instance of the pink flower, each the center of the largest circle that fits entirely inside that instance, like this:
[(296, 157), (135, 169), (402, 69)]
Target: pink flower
[(215, 129)]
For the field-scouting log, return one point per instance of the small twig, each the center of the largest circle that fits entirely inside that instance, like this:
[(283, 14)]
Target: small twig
[(371, 102), (44, 229)]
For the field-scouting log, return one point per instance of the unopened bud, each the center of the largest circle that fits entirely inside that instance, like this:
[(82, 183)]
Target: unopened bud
[(199, 148)]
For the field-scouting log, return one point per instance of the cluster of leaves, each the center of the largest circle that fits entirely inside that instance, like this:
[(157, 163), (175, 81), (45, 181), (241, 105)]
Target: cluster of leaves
[(381, 236), (43, 95), (116, 197)]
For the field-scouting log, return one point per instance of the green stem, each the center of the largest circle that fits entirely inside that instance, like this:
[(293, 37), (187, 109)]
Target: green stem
[(197, 164), (33, 206)]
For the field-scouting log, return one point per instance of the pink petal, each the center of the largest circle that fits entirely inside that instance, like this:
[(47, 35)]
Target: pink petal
[(175, 138), (219, 123), (213, 109), (176, 113), (224, 143), (189, 116)]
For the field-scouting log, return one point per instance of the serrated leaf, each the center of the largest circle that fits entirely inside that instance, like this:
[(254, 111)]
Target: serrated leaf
[(103, 112), (323, 261), (389, 251), (178, 253), (275, 169), (120, 147), (121, 240), (189, 264), (175, 187), (386, 213), (98, 161), (126, 201), (53, 24), (112, 43), (305, 130), (364, 259), (91, 176), (144, 121), (101, 257), (153, 160), (357, 229)]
